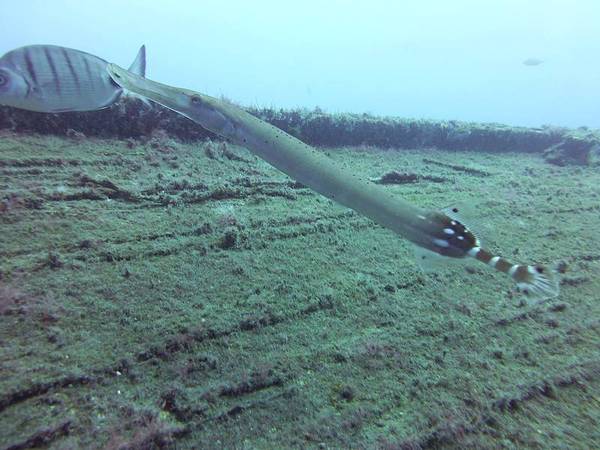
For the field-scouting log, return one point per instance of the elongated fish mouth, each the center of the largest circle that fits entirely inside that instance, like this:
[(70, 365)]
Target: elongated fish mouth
[(200, 108), (168, 96)]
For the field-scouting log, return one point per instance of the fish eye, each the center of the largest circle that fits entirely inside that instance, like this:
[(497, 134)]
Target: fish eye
[(196, 100), (3, 80)]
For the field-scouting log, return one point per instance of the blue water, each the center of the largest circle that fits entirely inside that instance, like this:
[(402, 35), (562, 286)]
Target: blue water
[(434, 59)]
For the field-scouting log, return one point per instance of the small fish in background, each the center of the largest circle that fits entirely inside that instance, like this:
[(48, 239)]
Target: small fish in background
[(532, 62), (50, 78)]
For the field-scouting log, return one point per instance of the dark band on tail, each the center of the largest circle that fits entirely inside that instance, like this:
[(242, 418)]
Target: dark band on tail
[(532, 280), (497, 262)]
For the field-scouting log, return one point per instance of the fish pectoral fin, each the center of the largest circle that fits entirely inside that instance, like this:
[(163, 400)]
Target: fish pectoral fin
[(429, 261), (138, 66)]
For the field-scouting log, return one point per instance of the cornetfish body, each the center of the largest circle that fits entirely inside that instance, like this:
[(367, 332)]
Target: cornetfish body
[(285, 152), (434, 231), (50, 78)]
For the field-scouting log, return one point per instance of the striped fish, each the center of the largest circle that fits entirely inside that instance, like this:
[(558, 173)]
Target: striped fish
[(49, 78)]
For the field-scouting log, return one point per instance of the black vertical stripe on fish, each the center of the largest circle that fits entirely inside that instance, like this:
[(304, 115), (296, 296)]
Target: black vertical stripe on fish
[(113, 83), (29, 88), (71, 68), (53, 69), (10, 57), (30, 67), (88, 70)]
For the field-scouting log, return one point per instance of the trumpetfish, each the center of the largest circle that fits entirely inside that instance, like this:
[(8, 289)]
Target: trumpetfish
[(434, 231)]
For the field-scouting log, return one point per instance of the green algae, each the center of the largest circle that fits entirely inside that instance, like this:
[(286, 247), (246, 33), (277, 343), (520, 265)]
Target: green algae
[(130, 118), (161, 294)]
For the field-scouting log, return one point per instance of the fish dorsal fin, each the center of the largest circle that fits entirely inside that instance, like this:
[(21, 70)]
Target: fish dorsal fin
[(138, 66)]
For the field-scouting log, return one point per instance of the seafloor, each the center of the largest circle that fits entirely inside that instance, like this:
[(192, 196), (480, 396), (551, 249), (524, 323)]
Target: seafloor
[(161, 295)]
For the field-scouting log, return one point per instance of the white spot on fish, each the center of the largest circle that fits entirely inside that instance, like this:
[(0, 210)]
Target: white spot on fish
[(493, 261), (441, 243), (513, 269), (473, 252), (449, 231)]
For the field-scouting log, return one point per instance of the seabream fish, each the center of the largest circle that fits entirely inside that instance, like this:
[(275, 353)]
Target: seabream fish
[(433, 231), (49, 78)]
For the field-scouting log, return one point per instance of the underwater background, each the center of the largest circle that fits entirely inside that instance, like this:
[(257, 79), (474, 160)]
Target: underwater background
[(510, 61), (163, 288)]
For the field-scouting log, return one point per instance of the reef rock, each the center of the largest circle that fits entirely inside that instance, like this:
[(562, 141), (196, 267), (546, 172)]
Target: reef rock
[(577, 147)]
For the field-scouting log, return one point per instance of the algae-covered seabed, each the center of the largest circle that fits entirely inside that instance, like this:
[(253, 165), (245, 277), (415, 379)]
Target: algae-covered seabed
[(162, 294)]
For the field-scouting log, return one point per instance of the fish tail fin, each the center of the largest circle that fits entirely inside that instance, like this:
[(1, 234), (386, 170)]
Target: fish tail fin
[(537, 281), (138, 66)]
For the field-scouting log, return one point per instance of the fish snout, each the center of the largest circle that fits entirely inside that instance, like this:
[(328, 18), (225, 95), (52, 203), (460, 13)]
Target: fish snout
[(200, 108), (168, 96)]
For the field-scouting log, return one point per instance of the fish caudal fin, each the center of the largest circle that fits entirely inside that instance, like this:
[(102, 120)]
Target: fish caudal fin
[(536, 281), (138, 66)]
